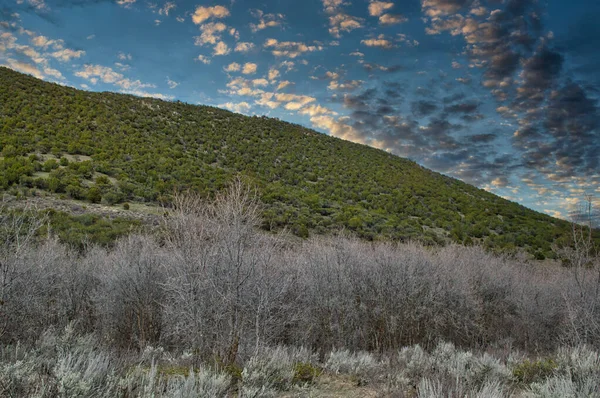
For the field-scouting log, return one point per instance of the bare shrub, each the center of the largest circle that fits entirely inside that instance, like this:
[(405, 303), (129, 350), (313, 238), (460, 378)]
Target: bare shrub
[(130, 293)]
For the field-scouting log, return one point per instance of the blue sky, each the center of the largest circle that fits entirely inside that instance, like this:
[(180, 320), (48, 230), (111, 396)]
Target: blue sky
[(501, 94)]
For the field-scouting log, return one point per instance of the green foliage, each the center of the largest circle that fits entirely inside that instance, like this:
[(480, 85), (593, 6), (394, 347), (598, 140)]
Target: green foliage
[(145, 149), (305, 372), (528, 372), (78, 231)]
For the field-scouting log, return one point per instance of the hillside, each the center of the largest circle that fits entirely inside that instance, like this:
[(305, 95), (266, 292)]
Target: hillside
[(115, 149)]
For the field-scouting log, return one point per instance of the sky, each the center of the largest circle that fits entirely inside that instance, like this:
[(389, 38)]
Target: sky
[(502, 94)]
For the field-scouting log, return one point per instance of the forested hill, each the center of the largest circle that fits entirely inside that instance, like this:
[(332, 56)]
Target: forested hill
[(114, 148)]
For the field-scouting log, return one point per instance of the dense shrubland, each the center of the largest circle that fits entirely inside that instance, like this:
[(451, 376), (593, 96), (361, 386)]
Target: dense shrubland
[(111, 149), (198, 306)]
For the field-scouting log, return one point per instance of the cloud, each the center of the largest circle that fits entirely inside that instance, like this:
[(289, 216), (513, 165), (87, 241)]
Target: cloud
[(126, 3), (555, 118), (172, 84), (249, 68), (402, 38), (243, 47), (203, 13), (343, 23), (40, 62), (377, 8), (211, 33), (36, 4), (239, 107), (164, 10), (316, 110), (221, 49), (336, 128), (94, 73), (290, 49), (423, 108), (204, 59), (233, 67), (260, 82), (283, 84), (124, 57), (273, 74), (24, 67), (437, 8), (44, 42), (266, 20), (392, 19), (65, 55), (380, 41), (339, 21), (142, 93), (347, 85)]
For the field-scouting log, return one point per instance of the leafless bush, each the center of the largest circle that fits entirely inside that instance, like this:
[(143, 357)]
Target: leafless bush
[(212, 284), (130, 294)]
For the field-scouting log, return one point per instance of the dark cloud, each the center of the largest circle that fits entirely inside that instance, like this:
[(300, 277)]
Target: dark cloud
[(526, 71), (482, 138), (423, 108), (462, 108)]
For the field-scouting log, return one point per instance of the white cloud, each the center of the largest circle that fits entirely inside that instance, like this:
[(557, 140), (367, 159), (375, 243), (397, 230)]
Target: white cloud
[(142, 93), (24, 67), (211, 33), (338, 20), (283, 84), (124, 57), (249, 68), (203, 13), (37, 4), (290, 49), (337, 128), (54, 73), (273, 74), (122, 67), (221, 49), (376, 8), (380, 41), (172, 84), (44, 42), (316, 110), (66, 54), (126, 3), (240, 107), (343, 22), (392, 19), (260, 82), (204, 59), (95, 73), (266, 20), (167, 8), (232, 67), (243, 47), (348, 85)]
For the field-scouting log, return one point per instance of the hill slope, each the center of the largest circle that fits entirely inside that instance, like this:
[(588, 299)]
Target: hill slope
[(114, 148)]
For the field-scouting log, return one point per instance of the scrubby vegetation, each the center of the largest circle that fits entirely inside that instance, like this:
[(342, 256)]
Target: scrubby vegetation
[(63, 364), (118, 149), (212, 306)]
